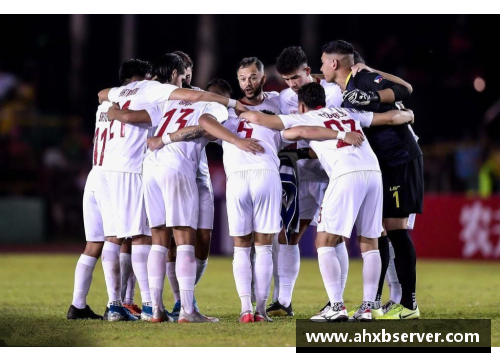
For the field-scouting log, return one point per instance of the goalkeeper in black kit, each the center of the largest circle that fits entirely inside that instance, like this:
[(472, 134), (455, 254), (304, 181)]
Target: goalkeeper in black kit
[(401, 162)]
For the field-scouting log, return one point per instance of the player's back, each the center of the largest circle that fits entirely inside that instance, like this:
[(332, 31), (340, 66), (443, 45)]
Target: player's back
[(239, 160), (127, 143), (174, 115), (336, 156), (100, 138)]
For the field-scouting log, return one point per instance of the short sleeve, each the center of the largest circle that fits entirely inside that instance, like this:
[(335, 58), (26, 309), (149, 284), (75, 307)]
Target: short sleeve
[(292, 120), (364, 118), (157, 92), (218, 111), (284, 140), (156, 114), (113, 94)]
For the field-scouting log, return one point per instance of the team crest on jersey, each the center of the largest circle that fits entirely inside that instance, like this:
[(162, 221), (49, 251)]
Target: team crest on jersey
[(378, 79)]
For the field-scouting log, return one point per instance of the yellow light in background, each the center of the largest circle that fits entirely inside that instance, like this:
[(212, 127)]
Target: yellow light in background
[(479, 84)]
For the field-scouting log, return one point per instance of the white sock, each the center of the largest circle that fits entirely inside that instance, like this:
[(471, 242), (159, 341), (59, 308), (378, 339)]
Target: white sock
[(140, 254), (129, 297), (330, 272), (186, 275), (263, 275), (242, 270), (276, 274), (156, 274), (289, 265), (172, 279), (201, 265), (343, 258), (111, 264), (125, 272), (392, 278), (83, 277), (371, 274)]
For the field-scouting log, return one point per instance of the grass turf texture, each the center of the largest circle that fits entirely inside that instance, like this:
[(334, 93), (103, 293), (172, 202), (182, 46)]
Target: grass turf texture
[(36, 291)]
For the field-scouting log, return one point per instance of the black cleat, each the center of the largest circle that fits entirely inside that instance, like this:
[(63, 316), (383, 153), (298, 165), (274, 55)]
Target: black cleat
[(85, 313), (276, 309)]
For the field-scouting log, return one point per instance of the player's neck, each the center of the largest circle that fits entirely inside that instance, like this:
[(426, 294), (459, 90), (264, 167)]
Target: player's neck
[(254, 101), (341, 78)]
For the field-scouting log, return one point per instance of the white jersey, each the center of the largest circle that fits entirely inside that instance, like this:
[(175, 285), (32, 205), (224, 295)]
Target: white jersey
[(172, 116), (127, 143), (310, 170), (238, 160), (203, 173), (100, 138), (270, 103), (336, 156)]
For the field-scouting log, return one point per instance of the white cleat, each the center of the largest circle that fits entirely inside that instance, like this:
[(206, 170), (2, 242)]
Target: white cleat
[(195, 317), (336, 313), (362, 315)]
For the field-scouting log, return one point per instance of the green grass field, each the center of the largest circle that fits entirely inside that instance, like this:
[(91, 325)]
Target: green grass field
[(36, 291)]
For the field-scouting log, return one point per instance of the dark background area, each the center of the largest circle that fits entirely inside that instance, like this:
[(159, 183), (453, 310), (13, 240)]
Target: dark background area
[(51, 68)]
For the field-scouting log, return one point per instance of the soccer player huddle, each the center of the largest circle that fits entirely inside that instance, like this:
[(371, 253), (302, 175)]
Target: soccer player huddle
[(335, 151)]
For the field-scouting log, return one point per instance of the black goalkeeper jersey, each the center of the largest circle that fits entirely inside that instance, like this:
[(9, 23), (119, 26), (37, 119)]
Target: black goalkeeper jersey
[(393, 145)]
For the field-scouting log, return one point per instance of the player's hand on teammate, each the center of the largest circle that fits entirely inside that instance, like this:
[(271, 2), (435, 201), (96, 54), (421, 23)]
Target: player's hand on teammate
[(411, 113), (360, 98), (240, 108), (356, 68), (112, 111), (155, 143), (354, 138), (249, 145)]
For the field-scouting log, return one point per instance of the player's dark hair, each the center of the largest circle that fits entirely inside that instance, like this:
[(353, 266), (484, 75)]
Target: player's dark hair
[(185, 58), (290, 60), (164, 67), (221, 83), (312, 95), (358, 58), (246, 62), (134, 68), (338, 47)]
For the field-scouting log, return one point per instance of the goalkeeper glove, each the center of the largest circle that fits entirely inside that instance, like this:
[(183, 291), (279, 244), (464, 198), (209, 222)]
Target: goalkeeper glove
[(361, 98)]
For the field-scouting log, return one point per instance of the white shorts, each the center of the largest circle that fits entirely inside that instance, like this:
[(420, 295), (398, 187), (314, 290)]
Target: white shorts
[(122, 200), (411, 221), (206, 200), (311, 195), (253, 200), (92, 218), (171, 197), (353, 199)]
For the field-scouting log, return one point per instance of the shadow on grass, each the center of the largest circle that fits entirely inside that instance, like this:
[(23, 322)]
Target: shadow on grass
[(27, 331)]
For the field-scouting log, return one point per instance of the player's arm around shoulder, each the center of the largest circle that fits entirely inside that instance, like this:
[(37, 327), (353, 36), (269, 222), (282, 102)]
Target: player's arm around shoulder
[(321, 133), (393, 118), (262, 119), (128, 116)]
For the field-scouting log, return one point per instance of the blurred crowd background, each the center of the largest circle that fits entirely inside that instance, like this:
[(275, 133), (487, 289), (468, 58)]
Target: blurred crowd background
[(51, 68)]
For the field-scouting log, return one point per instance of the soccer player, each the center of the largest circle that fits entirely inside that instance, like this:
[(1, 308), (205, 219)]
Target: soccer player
[(151, 95), (354, 193), (401, 163), (313, 181), (93, 211)]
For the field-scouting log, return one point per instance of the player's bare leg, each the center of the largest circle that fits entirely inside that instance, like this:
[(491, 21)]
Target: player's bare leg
[(202, 251), (83, 278), (140, 249), (242, 270), (329, 267), (156, 270)]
